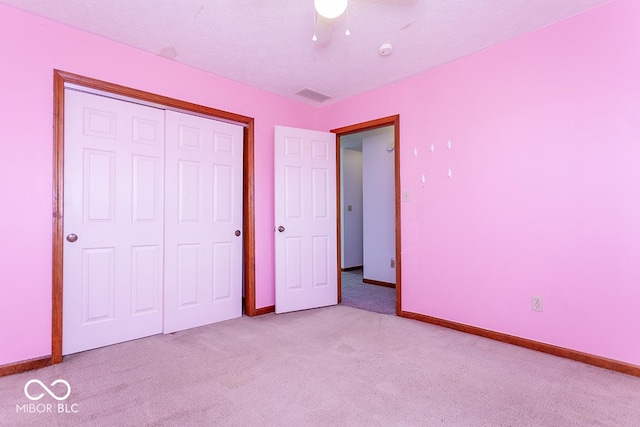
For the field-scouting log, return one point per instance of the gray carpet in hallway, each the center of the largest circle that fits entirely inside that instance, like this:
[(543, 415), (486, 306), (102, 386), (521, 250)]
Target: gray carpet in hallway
[(334, 366), (365, 296)]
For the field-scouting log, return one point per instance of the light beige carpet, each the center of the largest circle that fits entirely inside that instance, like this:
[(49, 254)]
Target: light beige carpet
[(336, 366), (365, 296)]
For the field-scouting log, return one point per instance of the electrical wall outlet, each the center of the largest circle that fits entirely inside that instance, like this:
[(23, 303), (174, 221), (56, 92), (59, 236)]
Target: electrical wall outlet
[(536, 303)]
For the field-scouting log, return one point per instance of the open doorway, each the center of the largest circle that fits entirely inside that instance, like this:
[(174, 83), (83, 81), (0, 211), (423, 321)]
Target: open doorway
[(368, 210)]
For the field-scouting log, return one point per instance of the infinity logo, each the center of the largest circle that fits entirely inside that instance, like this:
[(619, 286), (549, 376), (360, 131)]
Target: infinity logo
[(45, 388)]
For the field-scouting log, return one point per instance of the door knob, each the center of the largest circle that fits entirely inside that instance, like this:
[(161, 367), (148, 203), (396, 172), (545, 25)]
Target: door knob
[(281, 229), (238, 232), (72, 238)]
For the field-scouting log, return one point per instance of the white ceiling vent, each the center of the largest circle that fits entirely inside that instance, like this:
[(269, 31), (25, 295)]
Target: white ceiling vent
[(313, 95)]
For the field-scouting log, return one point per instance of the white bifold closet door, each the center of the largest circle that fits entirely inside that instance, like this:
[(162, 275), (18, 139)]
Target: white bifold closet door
[(113, 203), (203, 221), (152, 200)]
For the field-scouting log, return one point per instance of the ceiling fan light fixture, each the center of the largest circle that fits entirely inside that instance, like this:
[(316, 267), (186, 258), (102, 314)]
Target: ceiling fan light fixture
[(330, 8)]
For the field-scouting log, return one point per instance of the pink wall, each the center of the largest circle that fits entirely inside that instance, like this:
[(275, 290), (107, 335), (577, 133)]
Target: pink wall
[(32, 47), (544, 197)]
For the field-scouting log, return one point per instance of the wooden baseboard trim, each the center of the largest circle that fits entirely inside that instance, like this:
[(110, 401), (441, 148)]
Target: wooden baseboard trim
[(357, 267), (590, 359), (26, 365), (378, 283), (264, 310)]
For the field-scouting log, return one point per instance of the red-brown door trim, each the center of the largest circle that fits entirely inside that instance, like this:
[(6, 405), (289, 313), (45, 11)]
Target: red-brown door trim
[(361, 127)]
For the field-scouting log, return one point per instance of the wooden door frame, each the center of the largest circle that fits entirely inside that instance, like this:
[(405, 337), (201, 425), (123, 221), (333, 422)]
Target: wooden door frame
[(361, 127), (60, 78)]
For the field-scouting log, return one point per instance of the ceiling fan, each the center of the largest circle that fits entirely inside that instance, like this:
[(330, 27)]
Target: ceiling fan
[(330, 13)]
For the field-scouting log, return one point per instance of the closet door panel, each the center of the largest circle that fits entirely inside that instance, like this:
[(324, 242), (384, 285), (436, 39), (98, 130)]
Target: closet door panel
[(113, 221), (203, 209)]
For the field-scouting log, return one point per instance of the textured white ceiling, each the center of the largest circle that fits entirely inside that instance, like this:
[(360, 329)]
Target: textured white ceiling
[(267, 44)]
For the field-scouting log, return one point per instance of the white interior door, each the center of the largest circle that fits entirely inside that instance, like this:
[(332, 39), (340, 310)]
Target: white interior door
[(305, 214), (203, 217), (113, 204)]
